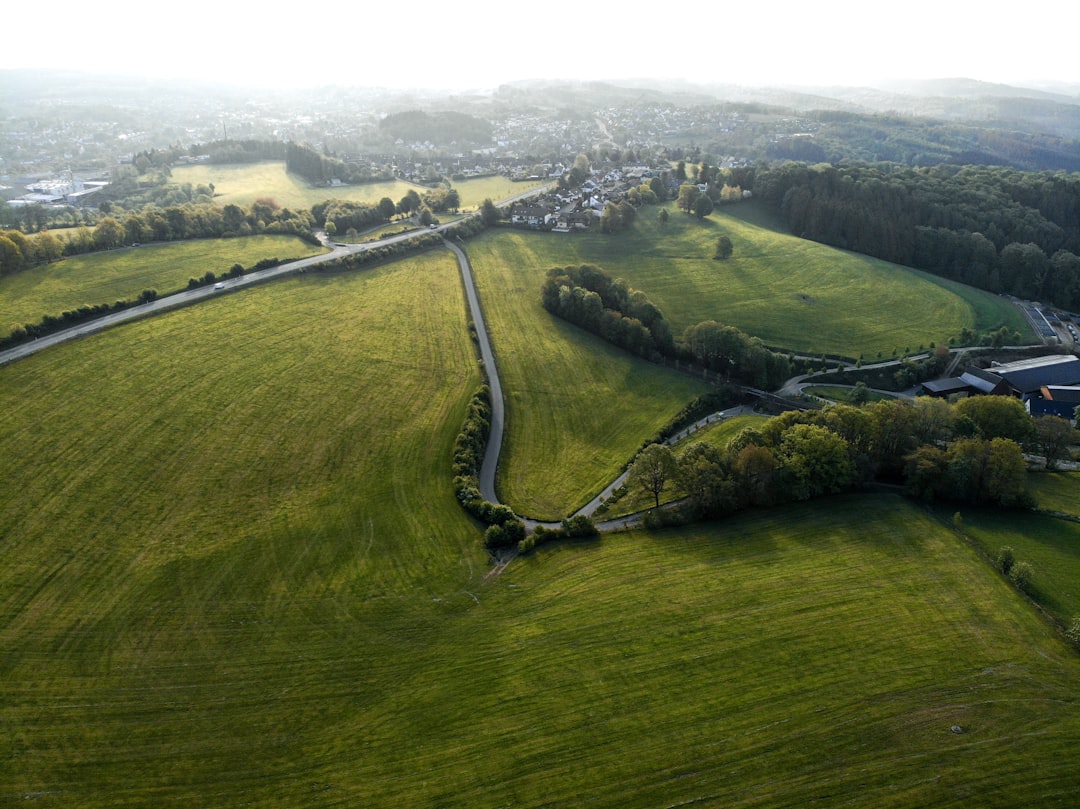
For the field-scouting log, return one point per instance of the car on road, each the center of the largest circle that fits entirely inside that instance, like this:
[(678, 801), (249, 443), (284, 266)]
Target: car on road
[(219, 285)]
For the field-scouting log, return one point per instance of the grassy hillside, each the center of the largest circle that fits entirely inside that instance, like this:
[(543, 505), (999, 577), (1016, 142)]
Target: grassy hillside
[(792, 293), (577, 407), (123, 274)]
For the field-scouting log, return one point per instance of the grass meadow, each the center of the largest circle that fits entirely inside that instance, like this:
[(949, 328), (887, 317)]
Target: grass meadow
[(577, 407), (794, 294), (1051, 545), (242, 184), (122, 274)]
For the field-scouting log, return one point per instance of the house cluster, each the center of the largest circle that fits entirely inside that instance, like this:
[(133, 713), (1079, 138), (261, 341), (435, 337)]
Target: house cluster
[(580, 208), (1047, 385)]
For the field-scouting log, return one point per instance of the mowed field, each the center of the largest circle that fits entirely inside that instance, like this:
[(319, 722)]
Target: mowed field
[(1051, 545), (235, 574), (242, 184), (122, 274), (577, 407), (794, 294)]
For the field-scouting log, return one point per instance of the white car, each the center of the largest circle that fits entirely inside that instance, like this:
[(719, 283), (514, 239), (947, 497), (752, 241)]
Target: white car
[(219, 285)]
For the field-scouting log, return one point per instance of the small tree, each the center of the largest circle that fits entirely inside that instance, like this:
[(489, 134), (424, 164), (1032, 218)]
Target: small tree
[(724, 249), (664, 215), (860, 394)]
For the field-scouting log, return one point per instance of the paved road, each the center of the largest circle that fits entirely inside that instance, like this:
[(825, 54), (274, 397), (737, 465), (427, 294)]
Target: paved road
[(498, 413)]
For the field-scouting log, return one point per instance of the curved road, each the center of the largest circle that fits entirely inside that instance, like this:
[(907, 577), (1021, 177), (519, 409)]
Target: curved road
[(494, 444)]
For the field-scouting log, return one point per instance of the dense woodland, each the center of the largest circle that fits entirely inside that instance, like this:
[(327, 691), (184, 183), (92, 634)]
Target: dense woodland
[(994, 228)]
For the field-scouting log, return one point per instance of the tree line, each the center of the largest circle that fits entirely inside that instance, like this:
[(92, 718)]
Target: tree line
[(589, 297), (998, 229), (969, 452), (152, 224), (320, 168)]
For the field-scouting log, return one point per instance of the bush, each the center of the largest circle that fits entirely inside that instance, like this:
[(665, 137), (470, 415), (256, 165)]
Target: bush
[(1073, 632), (579, 526), (1021, 575)]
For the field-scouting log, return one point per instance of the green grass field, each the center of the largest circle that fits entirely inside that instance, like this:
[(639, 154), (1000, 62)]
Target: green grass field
[(1051, 545), (841, 394), (242, 184), (577, 407), (794, 294), (122, 274), (235, 574)]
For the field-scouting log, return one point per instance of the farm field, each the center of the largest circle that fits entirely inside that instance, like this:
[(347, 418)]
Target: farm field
[(122, 274), (794, 294), (242, 184), (562, 445)]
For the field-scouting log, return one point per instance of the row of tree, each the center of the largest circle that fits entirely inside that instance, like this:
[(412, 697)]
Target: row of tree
[(590, 298), (152, 224), (998, 229), (969, 452)]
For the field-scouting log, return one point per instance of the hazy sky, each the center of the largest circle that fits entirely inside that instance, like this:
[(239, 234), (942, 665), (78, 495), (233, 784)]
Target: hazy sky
[(482, 43)]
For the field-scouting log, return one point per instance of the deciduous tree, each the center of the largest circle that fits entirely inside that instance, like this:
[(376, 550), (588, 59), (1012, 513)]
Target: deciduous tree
[(652, 469)]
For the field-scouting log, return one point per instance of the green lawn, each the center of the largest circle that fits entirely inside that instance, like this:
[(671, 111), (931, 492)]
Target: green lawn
[(122, 274), (577, 407), (1057, 491), (792, 293)]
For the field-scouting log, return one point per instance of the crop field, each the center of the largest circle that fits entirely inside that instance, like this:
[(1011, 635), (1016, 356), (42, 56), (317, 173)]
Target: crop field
[(577, 407), (242, 184), (792, 293), (122, 274)]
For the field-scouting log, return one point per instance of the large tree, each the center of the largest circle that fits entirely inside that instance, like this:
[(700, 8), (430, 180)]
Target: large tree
[(1054, 435), (652, 469)]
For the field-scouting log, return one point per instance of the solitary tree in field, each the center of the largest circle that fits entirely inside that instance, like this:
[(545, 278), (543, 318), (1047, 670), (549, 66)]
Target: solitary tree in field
[(703, 206), (724, 249), (664, 216), (652, 469)]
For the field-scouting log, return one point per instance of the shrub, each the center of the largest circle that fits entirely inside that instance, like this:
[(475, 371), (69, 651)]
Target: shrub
[(1006, 559), (579, 526), (1021, 575)]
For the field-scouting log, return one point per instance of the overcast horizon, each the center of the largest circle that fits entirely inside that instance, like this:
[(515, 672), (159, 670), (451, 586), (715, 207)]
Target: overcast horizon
[(483, 45)]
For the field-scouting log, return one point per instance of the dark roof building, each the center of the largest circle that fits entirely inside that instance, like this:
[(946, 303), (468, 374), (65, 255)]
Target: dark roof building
[(1023, 379), (1055, 400)]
